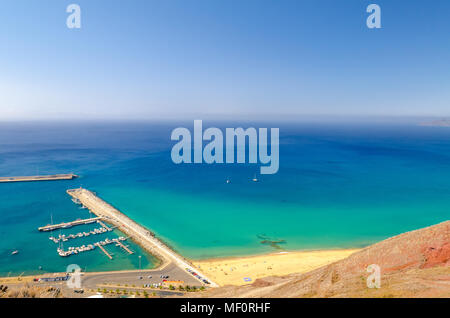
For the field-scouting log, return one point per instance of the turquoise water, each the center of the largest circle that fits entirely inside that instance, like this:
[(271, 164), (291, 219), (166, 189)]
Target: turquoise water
[(339, 186)]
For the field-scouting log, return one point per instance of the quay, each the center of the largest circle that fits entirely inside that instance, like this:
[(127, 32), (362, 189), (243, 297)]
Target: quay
[(137, 232), (52, 227), (53, 177), (119, 243)]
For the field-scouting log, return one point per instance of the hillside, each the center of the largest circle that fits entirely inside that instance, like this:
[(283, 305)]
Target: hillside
[(413, 264)]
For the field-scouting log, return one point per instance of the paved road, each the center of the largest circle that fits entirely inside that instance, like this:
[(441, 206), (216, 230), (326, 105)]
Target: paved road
[(95, 281), (133, 277)]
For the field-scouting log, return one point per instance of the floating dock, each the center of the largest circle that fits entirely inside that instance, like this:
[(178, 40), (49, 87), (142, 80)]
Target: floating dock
[(52, 177), (104, 251), (104, 226), (52, 227), (119, 243)]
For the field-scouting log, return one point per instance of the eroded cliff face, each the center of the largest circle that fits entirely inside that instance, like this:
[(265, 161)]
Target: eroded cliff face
[(413, 264)]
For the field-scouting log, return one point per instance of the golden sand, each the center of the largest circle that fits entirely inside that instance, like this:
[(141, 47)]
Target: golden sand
[(232, 271)]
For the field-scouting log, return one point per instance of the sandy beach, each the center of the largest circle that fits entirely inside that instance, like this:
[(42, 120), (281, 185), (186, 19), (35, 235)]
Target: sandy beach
[(245, 270)]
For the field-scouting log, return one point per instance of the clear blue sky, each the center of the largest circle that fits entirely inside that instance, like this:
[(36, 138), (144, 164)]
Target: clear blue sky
[(162, 58)]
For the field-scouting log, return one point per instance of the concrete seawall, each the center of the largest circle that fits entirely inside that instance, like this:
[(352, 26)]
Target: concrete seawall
[(53, 177), (135, 231)]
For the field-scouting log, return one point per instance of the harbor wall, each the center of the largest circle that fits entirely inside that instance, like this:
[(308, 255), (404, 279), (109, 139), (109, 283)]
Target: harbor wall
[(53, 177)]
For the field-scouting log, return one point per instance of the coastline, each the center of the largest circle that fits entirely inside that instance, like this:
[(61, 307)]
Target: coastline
[(252, 266), (244, 270), (221, 271), (140, 234), (217, 269)]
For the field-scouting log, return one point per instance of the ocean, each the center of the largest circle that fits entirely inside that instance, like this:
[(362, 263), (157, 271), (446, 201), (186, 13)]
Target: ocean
[(340, 185)]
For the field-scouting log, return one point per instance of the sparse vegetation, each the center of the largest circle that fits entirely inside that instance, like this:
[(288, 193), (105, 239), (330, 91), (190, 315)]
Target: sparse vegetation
[(27, 291)]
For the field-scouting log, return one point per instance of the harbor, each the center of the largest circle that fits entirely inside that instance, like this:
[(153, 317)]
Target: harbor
[(139, 234), (52, 227), (53, 177), (61, 238)]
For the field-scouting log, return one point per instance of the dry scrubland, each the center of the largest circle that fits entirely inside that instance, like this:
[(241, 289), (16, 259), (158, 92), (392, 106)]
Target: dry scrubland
[(28, 291)]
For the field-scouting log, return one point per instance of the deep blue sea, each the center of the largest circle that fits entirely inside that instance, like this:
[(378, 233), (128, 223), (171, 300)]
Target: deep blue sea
[(340, 185)]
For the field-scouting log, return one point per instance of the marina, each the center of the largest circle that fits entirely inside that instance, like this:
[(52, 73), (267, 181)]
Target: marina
[(86, 247), (89, 247), (65, 238), (53, 177)]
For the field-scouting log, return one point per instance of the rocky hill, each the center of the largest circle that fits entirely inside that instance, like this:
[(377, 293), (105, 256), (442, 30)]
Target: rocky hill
[(413, 264)]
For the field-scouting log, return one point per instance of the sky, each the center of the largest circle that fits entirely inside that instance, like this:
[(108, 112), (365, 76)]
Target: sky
[(150, 59)]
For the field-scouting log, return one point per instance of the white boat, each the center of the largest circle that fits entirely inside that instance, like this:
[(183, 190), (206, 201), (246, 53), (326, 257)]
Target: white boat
[(15, 252), (255, 179)]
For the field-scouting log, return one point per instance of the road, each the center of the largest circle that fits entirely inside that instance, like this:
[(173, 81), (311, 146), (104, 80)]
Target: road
[(93, 280)]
